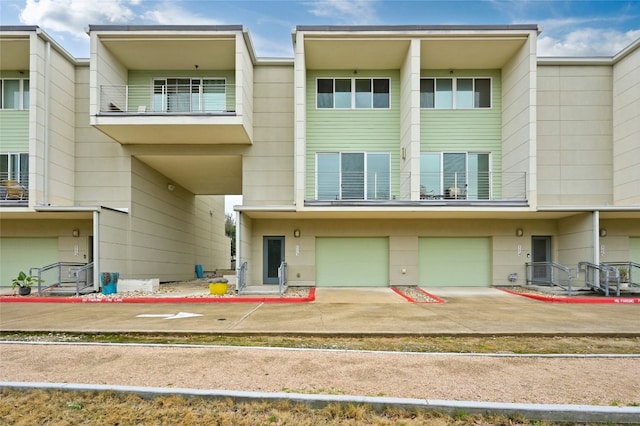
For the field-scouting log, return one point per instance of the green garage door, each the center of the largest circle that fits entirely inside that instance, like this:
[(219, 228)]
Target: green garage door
[(634, 250), (20, 254), (352, 262), (454, 262)]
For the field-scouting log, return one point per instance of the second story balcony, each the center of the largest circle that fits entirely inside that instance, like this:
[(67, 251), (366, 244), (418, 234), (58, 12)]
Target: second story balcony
[(172, 111), (349, 188), (14, 189), (172, 84)]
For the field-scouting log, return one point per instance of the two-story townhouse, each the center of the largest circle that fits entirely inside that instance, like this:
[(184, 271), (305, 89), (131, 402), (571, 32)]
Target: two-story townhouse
[(377, 156), (79, 195), (449, 156)]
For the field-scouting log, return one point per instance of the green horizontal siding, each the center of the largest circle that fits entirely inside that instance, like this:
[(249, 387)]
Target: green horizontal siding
[(352, 130), (466, 130), (14, 131), (478, 130)]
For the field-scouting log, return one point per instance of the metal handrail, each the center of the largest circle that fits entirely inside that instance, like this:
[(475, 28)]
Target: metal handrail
[(340, 185), (599, 277), (627, 273), (73, 270), (241, 283), (555, 274), (282, 278), (172, 99)]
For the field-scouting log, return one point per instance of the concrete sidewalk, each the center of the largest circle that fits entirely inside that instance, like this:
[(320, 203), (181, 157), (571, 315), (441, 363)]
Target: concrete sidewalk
[(466, 311)]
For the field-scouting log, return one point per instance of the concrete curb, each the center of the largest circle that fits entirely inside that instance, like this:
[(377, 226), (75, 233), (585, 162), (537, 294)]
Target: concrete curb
[(179, 299), (549, 412), (582, 300)]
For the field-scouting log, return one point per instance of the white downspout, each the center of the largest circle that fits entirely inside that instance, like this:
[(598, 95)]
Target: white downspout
[(47, 101), (96, 250), (238, 247), (596, 237)]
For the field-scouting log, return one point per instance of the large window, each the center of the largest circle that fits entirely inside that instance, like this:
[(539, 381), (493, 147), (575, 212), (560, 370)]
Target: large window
[(455, 175), (14, 166), (14, 93), (455, 93), (189, 95), (352, 176), (349, 93)]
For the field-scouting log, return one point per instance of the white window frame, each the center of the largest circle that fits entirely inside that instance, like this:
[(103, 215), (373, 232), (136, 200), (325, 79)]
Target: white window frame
[(454, 90), (15, 159), (365, 173), (21, 91), (200, 85), (441, 172), (353, 93)]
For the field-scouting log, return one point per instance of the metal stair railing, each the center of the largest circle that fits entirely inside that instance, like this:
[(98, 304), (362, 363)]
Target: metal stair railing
[(629, 272), (600, 277), (64, 277), (550, 273), (282, 278)]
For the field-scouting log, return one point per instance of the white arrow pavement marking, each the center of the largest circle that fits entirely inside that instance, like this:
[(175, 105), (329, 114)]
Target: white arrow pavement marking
[(169, 316)]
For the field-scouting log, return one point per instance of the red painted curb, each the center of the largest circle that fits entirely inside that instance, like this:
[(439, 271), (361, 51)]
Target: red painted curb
[(583, 300), (409, 299), (45, 299)]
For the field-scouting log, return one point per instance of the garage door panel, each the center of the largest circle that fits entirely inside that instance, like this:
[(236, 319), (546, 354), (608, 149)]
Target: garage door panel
[(352, 262), (459, 262), (21, 254)]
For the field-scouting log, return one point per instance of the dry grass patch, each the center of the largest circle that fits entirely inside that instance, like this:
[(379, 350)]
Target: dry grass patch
[(58, 408), (437, 344)]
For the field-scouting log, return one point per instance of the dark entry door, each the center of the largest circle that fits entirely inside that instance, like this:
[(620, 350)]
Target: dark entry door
[(541, 257), (273, 256)]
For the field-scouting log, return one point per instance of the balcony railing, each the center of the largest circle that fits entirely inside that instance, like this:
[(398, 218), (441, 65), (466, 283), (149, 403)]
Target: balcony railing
[(174, 99), (14, 188), (476, 187)]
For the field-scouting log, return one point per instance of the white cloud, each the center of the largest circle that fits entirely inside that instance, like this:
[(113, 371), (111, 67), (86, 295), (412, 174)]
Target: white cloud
[(587, 42), (170, 13), (354, 12), (73, 16)]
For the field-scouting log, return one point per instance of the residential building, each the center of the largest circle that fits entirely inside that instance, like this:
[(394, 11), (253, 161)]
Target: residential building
[(376, 156), (81, 193)]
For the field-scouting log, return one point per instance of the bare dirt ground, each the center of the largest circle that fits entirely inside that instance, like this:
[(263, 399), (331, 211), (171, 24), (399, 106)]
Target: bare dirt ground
[(605, 380)]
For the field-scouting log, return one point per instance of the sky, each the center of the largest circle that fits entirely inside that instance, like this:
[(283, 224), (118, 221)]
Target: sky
[(569, 28)]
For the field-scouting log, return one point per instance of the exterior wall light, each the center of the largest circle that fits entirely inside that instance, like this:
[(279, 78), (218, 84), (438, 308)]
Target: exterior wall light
[(603, 232), (296, 233), (75, 232), (519, 232)]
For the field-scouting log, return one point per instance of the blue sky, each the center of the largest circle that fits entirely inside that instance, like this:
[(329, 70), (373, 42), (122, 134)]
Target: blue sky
[(570, 28)]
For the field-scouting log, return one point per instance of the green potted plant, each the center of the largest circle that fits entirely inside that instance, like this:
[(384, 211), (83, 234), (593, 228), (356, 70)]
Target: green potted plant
[(24, 283)]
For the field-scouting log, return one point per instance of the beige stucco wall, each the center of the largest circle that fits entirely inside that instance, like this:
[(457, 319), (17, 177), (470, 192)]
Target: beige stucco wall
[(509, 252), (519, 115), (51, 124), (626, 129), (574, 135), (615, 246), (268, 163), (102, 166), (111, 71), (410, 123)]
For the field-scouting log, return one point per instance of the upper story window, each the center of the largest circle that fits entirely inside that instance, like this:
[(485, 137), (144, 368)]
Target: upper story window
[(14, 166), (189, 95), (14, 93), (353, 175), (455, 93), (353, 93)]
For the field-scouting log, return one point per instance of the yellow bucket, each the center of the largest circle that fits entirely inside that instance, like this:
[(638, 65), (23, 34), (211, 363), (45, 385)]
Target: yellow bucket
[(218, 288)]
